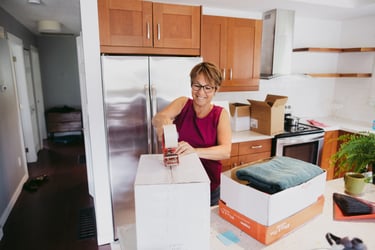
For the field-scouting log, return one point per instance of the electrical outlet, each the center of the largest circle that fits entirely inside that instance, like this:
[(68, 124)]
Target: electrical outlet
[(19, 162)]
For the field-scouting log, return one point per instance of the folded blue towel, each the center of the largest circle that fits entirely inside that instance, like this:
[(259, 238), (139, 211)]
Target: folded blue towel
[(277, 174)]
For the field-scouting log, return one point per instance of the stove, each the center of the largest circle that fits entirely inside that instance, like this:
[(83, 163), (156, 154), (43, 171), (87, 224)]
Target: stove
[(300, 129), (303, 141)]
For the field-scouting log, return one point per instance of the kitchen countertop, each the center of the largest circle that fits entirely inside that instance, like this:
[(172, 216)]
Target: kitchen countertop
[(332, 123), (335, 123), (248, 135)]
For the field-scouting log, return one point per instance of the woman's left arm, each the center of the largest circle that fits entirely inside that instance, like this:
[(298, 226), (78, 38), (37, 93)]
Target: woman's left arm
[(224, 139)]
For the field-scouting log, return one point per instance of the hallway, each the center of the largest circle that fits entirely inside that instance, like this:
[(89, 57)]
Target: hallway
[(59, 215)]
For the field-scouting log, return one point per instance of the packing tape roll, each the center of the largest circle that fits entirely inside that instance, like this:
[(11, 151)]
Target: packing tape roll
[(170, 136)]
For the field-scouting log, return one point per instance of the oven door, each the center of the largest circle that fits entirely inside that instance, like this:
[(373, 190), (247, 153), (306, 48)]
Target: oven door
[(303, 147)]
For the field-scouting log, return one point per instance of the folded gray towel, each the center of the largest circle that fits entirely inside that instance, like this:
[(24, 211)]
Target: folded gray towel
[(277, 174)]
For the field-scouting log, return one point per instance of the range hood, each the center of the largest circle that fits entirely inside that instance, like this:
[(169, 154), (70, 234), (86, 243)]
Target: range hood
[(277, 43)]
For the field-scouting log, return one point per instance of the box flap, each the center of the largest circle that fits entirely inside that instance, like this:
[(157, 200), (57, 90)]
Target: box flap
[(239, 109), (276, 100), (258, 103), (151, 171)]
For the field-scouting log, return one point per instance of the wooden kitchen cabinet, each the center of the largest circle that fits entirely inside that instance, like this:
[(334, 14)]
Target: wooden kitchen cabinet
[(233, 160), (234, 45), (142, 27), (329, 148), (249, 151)]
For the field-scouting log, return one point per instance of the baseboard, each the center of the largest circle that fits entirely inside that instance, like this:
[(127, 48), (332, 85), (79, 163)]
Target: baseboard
[(8, 209)]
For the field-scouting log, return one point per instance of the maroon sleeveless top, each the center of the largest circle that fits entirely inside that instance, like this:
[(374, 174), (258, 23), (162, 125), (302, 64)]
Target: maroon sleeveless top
[(201, 133)]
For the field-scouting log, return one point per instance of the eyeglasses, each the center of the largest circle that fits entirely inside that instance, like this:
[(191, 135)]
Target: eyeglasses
[(206, 88)]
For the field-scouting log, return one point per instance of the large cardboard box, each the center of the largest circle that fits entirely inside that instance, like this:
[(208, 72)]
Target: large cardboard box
[(269, 234), (240, 116), (267, 117), (268, 209), (172, 204)]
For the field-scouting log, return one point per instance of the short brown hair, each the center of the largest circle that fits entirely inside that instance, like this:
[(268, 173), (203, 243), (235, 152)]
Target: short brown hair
[(210, 71)]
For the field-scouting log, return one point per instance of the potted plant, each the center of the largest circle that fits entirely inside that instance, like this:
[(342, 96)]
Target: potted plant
[(355, 157)]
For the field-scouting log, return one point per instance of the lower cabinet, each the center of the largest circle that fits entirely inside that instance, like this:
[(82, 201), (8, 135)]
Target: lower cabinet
[(329, 148), (248, 151)]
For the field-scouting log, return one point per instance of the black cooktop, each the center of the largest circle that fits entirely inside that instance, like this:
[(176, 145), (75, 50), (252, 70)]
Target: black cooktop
[(300, 129)]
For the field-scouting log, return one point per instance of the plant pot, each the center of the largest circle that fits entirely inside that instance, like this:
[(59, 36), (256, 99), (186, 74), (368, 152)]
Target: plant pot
[(354, 183)]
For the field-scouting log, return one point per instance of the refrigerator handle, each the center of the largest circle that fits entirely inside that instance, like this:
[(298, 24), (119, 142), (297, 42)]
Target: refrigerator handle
[(149, 117), (154, 106)]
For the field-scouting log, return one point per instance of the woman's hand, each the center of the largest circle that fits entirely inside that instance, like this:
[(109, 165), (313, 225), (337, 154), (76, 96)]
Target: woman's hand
[(159, 121), (184, 148)]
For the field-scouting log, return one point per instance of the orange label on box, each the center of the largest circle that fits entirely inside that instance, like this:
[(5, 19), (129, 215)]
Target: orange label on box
[(269, 234)]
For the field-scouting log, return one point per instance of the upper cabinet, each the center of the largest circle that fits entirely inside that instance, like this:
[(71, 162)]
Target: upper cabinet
[(351, 68), (141, 27), (234, 44)]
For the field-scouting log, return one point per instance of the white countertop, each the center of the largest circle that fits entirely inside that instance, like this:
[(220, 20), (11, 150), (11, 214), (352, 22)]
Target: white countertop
[(331, 123), (334, 123), (248, 135), (310, 236)]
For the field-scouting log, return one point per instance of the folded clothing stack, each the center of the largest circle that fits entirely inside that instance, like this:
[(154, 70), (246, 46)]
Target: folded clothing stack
[(277, 174)]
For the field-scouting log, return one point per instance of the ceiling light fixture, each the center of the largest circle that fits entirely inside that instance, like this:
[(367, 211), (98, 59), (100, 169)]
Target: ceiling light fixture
[(49, 26), (34, 1)]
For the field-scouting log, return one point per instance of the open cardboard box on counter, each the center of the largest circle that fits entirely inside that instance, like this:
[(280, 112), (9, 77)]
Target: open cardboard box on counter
[(267, 117)]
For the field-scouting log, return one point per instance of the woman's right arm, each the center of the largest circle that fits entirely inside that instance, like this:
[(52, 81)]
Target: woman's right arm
[(167, 115)]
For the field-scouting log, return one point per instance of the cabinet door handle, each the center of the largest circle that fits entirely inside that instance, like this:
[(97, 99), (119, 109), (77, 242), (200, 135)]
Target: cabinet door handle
[(256, 146), (230, 74), (158, 26), (148, 30), (224, 70)]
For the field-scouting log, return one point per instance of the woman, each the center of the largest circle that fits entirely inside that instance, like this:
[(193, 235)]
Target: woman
[(203, 128)]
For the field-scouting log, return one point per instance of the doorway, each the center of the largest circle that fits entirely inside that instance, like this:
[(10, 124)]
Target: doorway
[(25, 93)]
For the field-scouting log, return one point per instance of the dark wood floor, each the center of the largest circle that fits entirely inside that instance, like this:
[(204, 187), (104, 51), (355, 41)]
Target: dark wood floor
[(49, 218)]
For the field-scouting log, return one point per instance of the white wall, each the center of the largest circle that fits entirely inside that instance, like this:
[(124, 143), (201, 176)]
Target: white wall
[(355, 97), (95, 112), (13, 169)]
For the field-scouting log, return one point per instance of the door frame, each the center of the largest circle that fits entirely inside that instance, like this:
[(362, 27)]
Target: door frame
[(16, 48)]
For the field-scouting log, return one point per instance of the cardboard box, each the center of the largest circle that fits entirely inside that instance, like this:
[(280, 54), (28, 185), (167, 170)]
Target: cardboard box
[(267, 117), (172, 204), (268, 209), (240, 116), (269, 234)]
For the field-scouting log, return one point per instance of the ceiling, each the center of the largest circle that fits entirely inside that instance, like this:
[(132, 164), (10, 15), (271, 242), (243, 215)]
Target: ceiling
[(67, 12)]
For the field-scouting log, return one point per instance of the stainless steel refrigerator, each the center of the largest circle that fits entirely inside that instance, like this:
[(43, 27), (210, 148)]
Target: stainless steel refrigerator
[(135, 88)]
